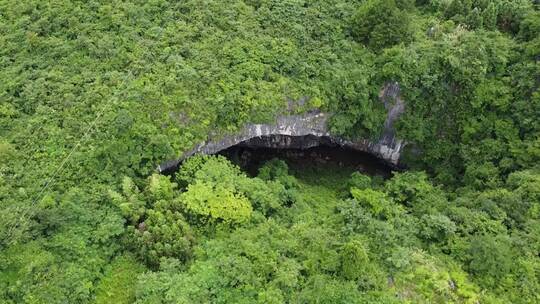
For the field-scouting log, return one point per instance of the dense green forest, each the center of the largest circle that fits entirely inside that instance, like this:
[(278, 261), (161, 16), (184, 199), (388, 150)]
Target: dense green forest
[(95, 94)]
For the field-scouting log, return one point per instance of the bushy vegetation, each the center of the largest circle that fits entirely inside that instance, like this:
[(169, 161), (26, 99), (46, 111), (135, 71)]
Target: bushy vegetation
[(95, 94), (328, 242)]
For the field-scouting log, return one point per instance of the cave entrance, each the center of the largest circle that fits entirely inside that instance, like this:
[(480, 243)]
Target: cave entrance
[(303, 153)]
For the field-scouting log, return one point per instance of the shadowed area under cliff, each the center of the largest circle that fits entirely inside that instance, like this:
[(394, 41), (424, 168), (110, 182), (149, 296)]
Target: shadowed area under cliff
[(303, 152)]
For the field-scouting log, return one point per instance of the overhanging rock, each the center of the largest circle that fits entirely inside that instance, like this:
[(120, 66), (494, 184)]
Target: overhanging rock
[(309, 129)]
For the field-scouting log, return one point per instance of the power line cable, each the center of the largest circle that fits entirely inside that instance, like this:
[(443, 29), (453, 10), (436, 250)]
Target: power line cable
[(51, 179)]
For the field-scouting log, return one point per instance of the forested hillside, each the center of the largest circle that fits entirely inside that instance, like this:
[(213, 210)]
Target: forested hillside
[(95, 94)]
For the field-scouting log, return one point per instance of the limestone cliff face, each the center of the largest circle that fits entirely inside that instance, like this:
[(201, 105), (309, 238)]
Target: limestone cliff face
[(309, 130)]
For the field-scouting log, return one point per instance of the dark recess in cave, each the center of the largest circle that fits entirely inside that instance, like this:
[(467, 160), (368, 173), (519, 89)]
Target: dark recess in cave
[(307, 153)]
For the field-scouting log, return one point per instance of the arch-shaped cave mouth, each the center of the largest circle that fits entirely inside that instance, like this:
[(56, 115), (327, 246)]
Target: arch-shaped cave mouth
[(301, 152)]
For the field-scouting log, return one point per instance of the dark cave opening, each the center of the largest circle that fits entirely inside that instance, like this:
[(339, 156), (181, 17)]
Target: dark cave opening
[(303, 152)]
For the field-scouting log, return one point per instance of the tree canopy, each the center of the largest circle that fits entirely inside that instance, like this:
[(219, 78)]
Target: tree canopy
[(95, 94)]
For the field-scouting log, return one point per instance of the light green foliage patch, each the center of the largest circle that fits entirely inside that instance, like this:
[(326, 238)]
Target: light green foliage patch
[(216, 202), (119, 281)]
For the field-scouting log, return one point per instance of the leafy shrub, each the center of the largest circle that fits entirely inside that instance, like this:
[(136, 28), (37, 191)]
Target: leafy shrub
[(376, 202), (357, 266), (436, 228), (119, 281), (492, 259), (415, 191), (359, 181), (277, 170)]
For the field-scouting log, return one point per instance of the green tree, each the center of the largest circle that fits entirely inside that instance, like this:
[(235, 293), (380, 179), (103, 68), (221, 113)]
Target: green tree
[(216, 203), (492, 260), (164, 233), (357, 266), (131, 202), (380, 24), (158, 227)]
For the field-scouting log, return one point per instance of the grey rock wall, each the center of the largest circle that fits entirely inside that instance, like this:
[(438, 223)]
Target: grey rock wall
[(308, 130)]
